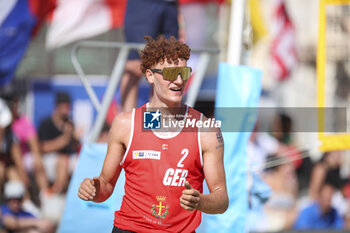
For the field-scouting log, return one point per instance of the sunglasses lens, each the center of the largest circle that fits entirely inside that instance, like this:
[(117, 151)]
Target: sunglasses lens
[(185, 72), (171, 73)]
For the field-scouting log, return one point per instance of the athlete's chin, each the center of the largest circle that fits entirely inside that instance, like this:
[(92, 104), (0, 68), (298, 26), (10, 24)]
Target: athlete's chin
[(175, 99)]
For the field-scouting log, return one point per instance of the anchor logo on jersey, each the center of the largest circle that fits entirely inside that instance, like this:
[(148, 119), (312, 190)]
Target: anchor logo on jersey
[(160, 210)]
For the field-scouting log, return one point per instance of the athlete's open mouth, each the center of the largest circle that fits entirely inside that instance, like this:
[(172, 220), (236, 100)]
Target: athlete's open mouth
[(176, 89)]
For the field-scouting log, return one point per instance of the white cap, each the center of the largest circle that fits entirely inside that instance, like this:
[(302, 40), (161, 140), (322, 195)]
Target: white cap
[(14, 189), (5, 114)]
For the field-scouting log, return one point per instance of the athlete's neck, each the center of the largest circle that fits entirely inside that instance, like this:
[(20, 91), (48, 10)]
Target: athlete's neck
[(172, 108)]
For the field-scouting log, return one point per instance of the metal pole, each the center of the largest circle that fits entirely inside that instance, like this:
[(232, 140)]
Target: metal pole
[(110, 92), (91, 93), (236, 32)]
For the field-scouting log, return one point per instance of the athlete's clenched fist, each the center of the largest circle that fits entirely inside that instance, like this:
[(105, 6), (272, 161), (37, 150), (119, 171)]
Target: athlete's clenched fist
[(88, 189), (189, 199)]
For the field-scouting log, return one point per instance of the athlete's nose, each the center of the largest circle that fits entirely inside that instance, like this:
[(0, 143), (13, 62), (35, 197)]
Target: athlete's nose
[(179, 80)]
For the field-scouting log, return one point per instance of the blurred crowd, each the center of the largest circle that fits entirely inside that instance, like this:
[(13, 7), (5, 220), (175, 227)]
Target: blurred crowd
[(35, 164), (291, 191)]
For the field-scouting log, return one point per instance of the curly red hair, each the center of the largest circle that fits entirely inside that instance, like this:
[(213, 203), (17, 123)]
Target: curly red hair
[(160, 49)]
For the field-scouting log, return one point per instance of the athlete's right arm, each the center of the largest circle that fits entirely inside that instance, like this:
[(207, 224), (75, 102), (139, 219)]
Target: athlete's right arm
[(101, 188)]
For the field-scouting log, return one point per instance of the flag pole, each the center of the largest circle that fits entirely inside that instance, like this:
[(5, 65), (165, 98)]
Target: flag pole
[(236, 32)]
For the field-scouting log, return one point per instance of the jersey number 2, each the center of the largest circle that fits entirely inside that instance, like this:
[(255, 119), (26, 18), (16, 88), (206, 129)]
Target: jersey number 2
[(184, 153)]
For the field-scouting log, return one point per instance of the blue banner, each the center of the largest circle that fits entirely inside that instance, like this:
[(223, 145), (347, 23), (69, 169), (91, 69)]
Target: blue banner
[(90, 217), (238, 86)]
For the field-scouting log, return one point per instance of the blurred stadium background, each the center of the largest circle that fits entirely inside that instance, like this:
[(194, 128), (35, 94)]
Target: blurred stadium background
[(301, 47)]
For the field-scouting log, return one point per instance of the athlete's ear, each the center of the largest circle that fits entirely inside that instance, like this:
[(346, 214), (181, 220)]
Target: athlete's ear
[(149, 76)]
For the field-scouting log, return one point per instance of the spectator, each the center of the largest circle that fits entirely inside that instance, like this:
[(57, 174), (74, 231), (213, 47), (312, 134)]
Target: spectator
[(280, 209), (326, 170), (341, 200), (2, 227), (194, 21), (138, 23), (320, 215), (17, 220), (58, 143), (347, 221), (11, 163), (260, 145), (282, 130), (26, 133)]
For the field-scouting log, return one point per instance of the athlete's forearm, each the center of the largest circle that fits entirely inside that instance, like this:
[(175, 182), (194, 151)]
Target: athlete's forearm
[(214, 203)]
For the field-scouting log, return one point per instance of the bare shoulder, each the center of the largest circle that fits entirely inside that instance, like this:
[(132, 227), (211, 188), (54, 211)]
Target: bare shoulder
[(211, 137), (121, 126), (122, 118)]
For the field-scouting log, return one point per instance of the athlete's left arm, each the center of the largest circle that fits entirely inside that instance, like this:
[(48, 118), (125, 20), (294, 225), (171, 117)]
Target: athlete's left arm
[(216, 201)]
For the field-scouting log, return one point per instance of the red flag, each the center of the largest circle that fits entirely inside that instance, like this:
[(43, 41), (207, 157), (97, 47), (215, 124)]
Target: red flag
[(73, 20), (41, 9), (117, 8), (283, 49)]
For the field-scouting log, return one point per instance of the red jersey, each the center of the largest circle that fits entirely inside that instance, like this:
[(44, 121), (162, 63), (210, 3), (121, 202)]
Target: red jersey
[(156, 169)]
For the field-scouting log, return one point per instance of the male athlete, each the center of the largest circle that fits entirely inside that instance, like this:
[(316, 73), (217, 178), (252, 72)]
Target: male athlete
[(164, 171)]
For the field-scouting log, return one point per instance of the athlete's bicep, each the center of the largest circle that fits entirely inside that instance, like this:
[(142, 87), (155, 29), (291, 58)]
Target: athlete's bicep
[(213, 164)]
